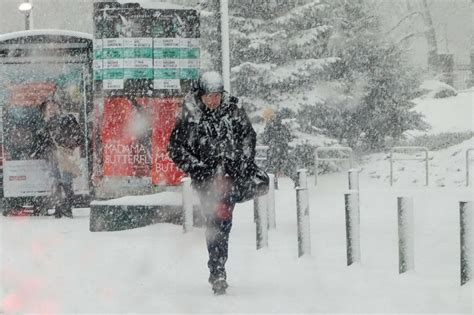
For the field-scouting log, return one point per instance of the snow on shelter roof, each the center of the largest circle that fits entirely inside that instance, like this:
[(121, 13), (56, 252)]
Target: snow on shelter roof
[(14, 35), (152, 4)]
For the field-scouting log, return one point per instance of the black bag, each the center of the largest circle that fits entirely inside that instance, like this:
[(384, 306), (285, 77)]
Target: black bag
[(67, 131), (253, 182)]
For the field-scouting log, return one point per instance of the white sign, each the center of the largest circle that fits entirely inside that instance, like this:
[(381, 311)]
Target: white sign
[(113, 84), (33, 178), (27, 178), (164, 84)]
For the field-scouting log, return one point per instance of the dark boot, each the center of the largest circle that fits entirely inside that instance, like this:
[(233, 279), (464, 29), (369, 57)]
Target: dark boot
[(58, 214), (219, 286)]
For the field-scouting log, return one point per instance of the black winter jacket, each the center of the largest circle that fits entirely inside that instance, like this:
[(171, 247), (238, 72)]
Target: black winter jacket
[(204, 139)]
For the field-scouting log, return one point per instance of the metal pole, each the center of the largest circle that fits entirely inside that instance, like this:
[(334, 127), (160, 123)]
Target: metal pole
[(261, 221), (426, 162), (187, 205), (224, 10), (271, 204), (302, 208), (391, 167), (406, 243), (352, 228), (466, 214), (27, 21), (316, 163)]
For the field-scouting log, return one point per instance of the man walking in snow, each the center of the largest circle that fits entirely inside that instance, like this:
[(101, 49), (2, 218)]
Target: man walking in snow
[(214, 143)]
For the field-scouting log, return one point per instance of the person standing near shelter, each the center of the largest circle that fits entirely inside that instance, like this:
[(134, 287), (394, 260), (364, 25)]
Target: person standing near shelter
[(213, 142), (59, 138)]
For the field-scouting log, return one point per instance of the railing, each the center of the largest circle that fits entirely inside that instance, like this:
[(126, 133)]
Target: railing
[(331, 149), (392, 159), (261, 155)]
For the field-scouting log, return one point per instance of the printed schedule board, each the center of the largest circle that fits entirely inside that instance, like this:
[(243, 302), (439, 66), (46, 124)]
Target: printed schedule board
[(145, 61), (137, 49)]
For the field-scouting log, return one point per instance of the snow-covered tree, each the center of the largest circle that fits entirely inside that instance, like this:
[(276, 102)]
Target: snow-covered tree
[(376, 82), (279, 51), (325, 61)]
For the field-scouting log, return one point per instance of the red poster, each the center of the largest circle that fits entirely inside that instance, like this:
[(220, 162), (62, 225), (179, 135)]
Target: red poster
[(30, 94), (125, 138), (164, 171)]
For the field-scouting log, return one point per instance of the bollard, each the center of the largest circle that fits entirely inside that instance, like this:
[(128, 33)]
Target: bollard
[(275, 181), (271, 204), (260, 208), (406, 242), (187, 205), (353, 175), (352, 227), (466, 211), (302, 208)]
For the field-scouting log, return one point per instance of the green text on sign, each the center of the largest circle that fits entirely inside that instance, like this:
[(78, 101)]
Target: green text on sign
[(112, 53), (166, 73), (112, 74), (189, 73), (167, 53), (138, 74), (190, 53), (138, 53), (98, 54), (98, 75)]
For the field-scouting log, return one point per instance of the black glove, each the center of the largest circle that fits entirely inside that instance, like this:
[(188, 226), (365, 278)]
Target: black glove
[(202, 172)]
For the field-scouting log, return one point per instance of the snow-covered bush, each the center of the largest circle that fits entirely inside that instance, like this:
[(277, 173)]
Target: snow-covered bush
[(436, 89)]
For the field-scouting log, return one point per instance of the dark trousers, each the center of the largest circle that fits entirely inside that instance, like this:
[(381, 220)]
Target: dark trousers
[(217, 211), (64, 183), (217, 239)]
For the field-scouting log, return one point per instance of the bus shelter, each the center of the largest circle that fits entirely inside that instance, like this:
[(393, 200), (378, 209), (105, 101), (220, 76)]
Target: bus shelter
[(37, 65)]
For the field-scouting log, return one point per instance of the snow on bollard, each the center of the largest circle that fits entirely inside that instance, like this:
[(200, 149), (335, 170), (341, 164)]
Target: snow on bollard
[(302, 212), (353, 175), (261, 220), (466, 211), (271, 204), (406, 241), (352, 227), (187, 205)]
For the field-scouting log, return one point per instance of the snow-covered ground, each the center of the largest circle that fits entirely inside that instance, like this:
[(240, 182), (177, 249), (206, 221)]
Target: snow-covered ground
[(52, 266), (451, 114)]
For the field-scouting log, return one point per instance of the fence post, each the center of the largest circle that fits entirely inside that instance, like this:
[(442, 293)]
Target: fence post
[(406, 241), (352, 227), (261, 220), (271, 204), (466, 211), (187, 205), (302, 214), (353, 175)]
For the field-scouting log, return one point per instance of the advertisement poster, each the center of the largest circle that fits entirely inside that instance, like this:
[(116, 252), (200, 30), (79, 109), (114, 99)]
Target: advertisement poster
[(23, 88), (126, 138), (164, 171)]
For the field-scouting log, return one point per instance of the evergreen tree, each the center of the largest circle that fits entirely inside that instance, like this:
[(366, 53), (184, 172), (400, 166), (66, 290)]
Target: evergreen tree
[(377, 84), (279, 51)]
